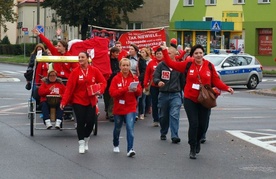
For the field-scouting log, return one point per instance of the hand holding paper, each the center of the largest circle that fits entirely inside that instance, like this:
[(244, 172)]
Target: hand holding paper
[(133, 86)]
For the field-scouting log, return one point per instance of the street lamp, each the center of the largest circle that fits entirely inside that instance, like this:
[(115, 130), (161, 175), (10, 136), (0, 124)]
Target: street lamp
[(33, 23)]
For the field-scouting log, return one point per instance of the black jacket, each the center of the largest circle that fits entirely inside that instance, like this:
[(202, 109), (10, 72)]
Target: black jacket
[(173, 79)]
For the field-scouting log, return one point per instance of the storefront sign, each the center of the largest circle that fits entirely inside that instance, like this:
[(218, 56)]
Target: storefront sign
[(265, 42)]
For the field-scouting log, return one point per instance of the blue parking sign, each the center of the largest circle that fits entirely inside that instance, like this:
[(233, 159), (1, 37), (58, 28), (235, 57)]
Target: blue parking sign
[(40, 28)]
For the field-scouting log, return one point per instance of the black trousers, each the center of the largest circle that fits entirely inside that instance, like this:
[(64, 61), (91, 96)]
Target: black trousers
[(198, 117), (86, 116)]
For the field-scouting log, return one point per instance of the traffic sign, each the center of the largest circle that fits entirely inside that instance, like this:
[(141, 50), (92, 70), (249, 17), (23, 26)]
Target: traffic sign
[(24, 29), (40, 28), (26, 32), (216, 26)]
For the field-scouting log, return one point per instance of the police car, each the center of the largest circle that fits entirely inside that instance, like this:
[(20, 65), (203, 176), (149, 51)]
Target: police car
[(235, 68)]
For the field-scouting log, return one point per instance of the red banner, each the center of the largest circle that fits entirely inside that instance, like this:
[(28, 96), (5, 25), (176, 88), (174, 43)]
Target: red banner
[(151, 37)]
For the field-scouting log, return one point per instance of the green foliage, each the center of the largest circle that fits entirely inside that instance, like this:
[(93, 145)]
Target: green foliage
[(7, 13), (106, 13), (16, 49), (5, 40)]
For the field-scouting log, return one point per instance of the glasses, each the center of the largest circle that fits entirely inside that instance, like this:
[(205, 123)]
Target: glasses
[(52, 75)]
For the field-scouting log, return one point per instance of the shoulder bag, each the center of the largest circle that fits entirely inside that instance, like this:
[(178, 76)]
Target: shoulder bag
[(207, 96)]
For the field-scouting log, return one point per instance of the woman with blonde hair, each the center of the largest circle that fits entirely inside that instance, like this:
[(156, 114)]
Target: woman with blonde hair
[(124, 89)]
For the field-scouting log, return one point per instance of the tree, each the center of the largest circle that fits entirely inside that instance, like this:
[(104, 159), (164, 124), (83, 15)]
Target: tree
[(5, 40), (106, 13), (7, 13)]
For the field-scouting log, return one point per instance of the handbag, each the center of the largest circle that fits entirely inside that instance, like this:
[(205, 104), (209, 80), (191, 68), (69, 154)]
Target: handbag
[(207, 96)]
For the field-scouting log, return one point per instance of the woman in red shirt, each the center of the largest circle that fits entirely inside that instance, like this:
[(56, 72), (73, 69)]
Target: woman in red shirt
[(149, 85), (83, 86), (62, 68), (198, 116), (124, 94), (51, 86)]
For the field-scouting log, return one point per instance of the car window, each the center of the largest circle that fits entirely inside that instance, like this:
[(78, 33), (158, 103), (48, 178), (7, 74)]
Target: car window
[(248, 59), (216, 60), (232, 61), (241, 61)]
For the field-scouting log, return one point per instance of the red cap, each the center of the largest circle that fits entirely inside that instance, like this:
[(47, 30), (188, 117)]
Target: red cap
[(173, 41)]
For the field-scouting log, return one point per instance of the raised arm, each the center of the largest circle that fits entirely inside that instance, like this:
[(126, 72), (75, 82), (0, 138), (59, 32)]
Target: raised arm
[(178, 66), (47, 42)]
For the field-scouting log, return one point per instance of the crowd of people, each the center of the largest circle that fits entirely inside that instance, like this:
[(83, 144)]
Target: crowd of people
[(144, 81)]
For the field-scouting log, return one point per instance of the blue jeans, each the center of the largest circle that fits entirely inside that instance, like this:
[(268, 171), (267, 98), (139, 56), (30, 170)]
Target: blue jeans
[(46, 111), (142, 104), (169, 105), (118, 122), (154, 92)]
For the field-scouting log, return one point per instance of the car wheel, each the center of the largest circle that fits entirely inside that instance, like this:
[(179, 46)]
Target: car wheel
[(252, 82)]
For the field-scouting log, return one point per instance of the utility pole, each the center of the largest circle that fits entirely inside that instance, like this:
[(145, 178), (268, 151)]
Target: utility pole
[(38, 18)]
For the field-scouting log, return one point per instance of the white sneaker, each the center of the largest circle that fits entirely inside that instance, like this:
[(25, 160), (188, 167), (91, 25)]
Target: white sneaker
[(116, 149), (48, 123), (58, 122), (142, 117), (131, 153), (81, 146), (86, 139)]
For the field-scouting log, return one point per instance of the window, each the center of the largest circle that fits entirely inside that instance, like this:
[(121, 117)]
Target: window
[(210, 2), (263, 1), (207, 19), (239, 2), (134, 25), (188, 2)]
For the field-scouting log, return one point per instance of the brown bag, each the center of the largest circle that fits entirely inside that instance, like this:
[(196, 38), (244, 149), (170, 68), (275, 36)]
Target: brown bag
[(207, 96)]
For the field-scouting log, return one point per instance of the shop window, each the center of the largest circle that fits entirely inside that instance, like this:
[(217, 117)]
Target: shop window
[(263, 1), (265, 41), (201, 38), (188, 2), (188, 39), (210, 2), (239, 2)]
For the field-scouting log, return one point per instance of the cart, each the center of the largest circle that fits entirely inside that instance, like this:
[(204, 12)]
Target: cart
[(34, 106)]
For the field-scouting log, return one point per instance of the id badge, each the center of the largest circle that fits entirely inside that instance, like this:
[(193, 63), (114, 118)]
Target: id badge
[(121, 101), (196, 86)]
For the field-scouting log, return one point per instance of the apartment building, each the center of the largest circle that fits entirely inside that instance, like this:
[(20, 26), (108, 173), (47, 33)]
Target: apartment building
[(231, 24)]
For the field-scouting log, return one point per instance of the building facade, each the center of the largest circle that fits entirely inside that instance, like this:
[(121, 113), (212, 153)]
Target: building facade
[(227, 24)]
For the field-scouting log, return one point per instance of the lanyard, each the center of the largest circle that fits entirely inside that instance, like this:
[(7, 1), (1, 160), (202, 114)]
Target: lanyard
[(85, 75), (124, 82)]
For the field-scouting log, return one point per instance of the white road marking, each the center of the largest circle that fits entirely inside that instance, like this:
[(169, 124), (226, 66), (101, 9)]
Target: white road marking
[(255, 140), (9, 80)]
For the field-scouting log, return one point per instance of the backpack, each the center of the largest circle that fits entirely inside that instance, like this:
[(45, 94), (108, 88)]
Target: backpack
[(187, 68)]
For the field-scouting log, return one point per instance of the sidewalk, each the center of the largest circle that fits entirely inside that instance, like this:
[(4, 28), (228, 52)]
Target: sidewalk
[(269, 68)]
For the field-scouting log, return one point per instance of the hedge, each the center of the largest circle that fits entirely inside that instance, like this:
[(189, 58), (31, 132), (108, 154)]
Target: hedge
[(16, 49)]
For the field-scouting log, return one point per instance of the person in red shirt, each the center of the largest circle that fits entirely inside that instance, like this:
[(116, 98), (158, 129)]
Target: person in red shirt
[(83, 86), (123, 53), (51, 85), (124, 94), (62, 68), (198, 115), (149, 85)]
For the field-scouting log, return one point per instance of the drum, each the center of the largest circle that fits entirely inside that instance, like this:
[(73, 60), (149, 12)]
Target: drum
[(53, 101)]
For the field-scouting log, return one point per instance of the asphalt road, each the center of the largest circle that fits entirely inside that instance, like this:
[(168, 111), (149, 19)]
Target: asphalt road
[(241, 143)]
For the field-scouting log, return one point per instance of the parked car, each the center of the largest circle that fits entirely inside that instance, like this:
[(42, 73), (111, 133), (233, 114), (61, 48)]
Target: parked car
[(237, 68)]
